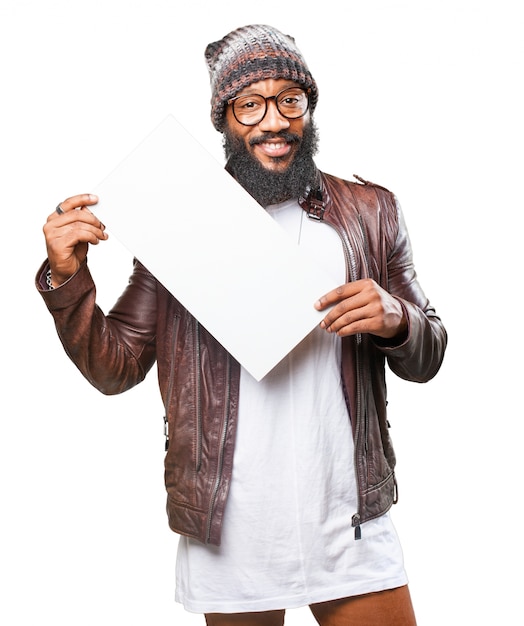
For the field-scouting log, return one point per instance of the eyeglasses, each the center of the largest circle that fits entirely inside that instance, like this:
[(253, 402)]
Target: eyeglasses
[(292, 103)]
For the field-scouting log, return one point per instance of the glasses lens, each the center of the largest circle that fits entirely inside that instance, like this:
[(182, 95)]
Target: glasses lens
[(249, 110), (292, 103)]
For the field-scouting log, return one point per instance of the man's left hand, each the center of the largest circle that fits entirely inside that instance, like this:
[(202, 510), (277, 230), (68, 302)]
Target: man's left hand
[(362, 307)]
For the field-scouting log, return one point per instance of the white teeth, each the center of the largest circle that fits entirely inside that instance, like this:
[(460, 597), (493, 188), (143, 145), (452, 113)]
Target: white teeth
[(274, 146)]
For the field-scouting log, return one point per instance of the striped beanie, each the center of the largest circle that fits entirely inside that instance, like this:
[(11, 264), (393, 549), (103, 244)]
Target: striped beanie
[(250, 54)]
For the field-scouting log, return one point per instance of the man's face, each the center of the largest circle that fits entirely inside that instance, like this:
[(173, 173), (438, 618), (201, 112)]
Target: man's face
[(274, 153), (272, 160)]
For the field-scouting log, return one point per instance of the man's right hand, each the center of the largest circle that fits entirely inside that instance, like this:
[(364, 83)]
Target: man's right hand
[(69, 234)]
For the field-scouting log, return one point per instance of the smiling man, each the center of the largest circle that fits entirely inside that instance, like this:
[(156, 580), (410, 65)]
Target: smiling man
[(280, 489), (270, 140)]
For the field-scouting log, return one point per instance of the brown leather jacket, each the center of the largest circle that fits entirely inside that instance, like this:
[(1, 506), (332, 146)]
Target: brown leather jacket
[(199, 380)]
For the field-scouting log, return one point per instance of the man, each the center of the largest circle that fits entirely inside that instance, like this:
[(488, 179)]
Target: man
[(280, 489)]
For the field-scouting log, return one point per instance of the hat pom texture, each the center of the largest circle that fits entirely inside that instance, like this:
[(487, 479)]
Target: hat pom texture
[(251, 54)]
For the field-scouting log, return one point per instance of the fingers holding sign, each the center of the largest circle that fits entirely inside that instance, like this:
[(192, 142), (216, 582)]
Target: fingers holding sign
[(68, 232), (362, 307)]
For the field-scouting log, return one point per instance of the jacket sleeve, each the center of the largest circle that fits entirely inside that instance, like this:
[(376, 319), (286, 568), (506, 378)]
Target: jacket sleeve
[(419, 357), (115, 351)]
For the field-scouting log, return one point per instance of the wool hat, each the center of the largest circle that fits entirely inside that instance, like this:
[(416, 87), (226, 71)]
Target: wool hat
[(250, 54)]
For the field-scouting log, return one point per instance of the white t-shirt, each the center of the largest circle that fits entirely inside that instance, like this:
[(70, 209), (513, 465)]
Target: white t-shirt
[(287, 539)]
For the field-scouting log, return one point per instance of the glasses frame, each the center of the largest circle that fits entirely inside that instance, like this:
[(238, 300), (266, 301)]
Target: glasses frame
[(231, 102)]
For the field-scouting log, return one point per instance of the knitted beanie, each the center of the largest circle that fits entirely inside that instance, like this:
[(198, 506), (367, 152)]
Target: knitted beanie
[(250, 54)]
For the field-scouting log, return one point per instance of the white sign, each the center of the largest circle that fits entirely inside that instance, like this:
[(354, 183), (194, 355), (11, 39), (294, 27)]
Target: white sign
[(176, 209)]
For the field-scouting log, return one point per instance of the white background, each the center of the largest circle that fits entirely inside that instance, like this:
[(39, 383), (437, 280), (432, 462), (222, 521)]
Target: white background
[(422, 97)]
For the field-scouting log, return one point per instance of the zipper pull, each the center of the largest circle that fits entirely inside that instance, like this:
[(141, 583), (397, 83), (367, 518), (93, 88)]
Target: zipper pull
[(166, 433), (355, 521)]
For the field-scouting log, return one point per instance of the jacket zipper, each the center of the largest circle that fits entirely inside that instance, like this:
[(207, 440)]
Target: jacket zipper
[(221, 449), (171, 382), (355, 520), (198, 403), (360, 417), (351, 270)]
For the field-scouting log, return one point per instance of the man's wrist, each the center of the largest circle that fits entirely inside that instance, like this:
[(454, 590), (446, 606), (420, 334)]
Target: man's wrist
[(52, 282), (49, 280)]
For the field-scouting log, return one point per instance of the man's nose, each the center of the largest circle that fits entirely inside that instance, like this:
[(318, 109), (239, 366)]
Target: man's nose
[(273, 120)]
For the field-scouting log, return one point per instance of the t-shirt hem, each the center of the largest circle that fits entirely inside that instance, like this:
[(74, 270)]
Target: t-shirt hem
[(291, 602)]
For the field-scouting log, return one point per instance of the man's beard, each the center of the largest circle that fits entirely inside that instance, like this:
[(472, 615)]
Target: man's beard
[(266, 186)]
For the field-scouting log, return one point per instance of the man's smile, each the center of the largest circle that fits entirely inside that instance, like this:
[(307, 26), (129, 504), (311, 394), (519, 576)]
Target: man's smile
[(273, 148), (274, 145)]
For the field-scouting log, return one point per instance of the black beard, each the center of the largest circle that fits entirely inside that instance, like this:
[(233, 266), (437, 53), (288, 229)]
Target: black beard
[(266, 186)]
